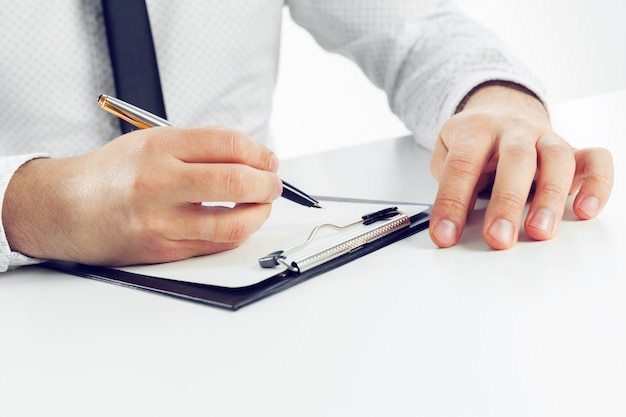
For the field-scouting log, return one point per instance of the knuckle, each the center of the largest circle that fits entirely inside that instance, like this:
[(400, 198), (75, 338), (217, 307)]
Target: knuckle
[(519, 151), (146, 183), (598, 180), (595, 168), (234, 230), (461, 163), (520, 122), (233, 143), (451, 203), (235, 182), (237, 143), (481, 120), (147, 143), (561, 153), (145, 178), (551, 191), (222, 230), (559, 149), (509, 200)]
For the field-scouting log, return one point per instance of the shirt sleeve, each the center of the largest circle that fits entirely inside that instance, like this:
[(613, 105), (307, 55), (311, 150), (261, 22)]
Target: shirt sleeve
[(8, 258), (427, 55)]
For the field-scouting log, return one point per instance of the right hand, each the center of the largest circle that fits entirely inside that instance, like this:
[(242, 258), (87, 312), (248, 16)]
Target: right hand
[(137, 199)]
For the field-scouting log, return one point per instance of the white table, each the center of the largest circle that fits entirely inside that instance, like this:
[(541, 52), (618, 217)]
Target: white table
[(539, 330)]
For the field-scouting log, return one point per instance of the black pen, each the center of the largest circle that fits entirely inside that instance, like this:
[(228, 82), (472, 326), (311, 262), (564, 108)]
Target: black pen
[(144, 119)]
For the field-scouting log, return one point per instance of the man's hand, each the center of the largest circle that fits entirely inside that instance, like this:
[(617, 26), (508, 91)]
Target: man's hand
[(137, 199), (503, 139)]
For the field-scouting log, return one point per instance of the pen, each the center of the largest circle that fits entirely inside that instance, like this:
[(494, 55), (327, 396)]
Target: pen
[(144, 119)]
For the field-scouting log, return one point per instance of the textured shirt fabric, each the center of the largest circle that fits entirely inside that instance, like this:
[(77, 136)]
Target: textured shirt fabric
[(218, 62)]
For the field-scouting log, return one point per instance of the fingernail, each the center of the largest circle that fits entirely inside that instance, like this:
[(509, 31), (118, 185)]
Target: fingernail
[(445, 233), (502, 231), (590, 206), (543, 219), (273, 163)]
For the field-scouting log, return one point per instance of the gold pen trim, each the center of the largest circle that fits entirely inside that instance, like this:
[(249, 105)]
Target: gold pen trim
[(132, 114), (121, 113)]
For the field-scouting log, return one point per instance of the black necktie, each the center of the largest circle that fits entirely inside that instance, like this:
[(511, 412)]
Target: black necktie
[(133, 58)]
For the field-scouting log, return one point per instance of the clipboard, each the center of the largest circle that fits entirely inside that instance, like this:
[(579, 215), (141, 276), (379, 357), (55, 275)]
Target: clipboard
[(293, 263)]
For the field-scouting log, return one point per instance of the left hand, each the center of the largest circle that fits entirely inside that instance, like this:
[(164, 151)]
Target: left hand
[(503, 139)]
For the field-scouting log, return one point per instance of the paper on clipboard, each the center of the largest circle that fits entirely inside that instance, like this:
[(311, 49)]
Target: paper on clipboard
[(286, 227)]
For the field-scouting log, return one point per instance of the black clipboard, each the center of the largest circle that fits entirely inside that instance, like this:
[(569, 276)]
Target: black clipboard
[(234, 298)]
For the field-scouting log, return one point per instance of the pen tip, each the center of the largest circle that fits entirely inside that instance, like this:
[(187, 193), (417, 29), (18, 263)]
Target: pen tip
[(317, 205)]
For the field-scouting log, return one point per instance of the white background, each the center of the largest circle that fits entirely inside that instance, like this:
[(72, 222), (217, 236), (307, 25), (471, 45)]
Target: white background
[(323, 101)]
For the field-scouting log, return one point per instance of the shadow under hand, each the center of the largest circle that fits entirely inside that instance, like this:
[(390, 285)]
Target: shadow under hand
[(472, 237)]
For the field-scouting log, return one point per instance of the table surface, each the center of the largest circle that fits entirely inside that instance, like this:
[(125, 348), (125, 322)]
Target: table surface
[(410, 330)]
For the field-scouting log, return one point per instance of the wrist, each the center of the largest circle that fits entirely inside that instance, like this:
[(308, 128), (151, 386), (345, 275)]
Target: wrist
[(501, 89), (22, 208)]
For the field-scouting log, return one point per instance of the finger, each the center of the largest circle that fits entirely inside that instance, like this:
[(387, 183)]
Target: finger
[(225, 182), (189, 231), (458, 177), (594, 179), (514, 176), (171, 250), (556, 170), (438, 158), (214, 224), (215, 144)]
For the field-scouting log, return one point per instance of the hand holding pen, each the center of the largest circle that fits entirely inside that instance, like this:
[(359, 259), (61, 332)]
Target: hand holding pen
[(144, 119), (136, 200)]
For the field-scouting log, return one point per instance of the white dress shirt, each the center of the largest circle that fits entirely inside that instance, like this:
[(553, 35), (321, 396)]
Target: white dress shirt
[(218, 62)]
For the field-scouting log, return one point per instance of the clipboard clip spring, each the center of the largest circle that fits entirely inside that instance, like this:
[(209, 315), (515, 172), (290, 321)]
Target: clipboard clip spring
[(279, 257)]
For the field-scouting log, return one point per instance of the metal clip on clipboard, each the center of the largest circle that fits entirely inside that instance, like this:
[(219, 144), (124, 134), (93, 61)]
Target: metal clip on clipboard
[(308, 255)]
